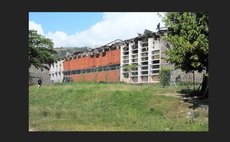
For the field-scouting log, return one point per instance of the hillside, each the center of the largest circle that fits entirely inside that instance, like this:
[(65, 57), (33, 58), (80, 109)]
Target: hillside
[(112, 107), (62, 52)]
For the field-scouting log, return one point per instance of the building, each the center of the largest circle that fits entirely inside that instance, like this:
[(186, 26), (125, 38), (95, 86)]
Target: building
[(147, 54), (107, 63), (96, 65), (56, 71)]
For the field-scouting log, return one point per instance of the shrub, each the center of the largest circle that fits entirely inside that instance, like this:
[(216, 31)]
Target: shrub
[(164, 76)]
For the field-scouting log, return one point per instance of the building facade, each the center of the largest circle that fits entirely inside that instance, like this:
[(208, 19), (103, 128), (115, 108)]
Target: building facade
[(147, 54), (56, 72), (96, 65), (108, 63)]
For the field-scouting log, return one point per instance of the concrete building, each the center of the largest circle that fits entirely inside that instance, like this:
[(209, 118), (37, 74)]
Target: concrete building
[(56, 71), (147, 53), (107, 63)]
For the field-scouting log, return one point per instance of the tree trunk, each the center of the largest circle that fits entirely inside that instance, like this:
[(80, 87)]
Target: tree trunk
[(204, 88)]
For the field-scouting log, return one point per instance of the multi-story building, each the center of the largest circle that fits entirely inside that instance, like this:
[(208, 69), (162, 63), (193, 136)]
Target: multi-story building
[(95, 65), (56, 71), (147, 54), (108, 63)]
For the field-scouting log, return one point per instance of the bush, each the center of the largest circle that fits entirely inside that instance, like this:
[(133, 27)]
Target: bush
[(164, 76)]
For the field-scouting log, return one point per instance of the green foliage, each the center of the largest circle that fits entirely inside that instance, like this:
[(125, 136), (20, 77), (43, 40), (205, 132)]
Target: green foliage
[(129, 67), (40, 50), (164, 76), (188, 34)]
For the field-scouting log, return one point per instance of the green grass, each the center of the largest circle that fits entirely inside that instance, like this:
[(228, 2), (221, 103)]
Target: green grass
[(110, 107)]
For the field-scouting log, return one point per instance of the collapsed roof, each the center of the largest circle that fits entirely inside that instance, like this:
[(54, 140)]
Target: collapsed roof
[(116, 43)]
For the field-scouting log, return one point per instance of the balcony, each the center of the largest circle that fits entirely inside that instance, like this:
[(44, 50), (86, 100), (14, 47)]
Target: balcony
[(144, 44), (156, 52), (135, 46), (144, 68), (134, 56), (144, 72), (156, 57), (156, 61), (126, 53), (155, 72), (144, 63), (144, 54), (125, 57), (134, 73), (126, 48), (125, 61), (144, 59), (145, 49), (134, 60), (135, 52)]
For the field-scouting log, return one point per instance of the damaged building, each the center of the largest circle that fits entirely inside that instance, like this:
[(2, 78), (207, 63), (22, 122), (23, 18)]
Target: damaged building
[(147, 54), (96, 65), (56, 71), (107, 63)]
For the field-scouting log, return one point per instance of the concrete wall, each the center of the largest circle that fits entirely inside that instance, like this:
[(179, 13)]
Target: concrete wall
[(187, 77), (37, 73), (55, 72)]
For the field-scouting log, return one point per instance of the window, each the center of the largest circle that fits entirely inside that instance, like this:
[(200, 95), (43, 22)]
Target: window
[(126, 75), (113, 67), (155, 71), (144, 68), (156, 66), (134, 79), (135, 51), (73, 72), (144, 78), (156, 62), (78, 72), (144, 72), (144, 63)]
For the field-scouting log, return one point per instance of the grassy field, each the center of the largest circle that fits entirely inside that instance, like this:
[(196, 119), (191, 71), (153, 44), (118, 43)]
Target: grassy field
[(111, 107)]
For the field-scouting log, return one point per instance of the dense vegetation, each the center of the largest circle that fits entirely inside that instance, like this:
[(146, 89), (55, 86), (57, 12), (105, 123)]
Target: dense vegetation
[(188, 33), (40, 50)]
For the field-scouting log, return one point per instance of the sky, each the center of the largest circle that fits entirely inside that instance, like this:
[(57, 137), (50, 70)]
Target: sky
[(91, 29)]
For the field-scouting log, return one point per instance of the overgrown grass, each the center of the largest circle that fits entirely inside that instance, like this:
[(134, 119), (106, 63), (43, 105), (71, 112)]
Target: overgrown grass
[(110, 107)]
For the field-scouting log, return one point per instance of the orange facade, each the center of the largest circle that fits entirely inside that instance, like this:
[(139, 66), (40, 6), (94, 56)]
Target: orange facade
[(106, 76), (110, 58)]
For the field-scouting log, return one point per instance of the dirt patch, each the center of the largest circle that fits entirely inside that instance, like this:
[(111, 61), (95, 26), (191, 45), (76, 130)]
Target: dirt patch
[(172, 95)]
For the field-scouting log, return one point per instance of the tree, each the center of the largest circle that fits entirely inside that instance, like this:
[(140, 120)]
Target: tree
[(129, 68), (188, 34), (164, 76), (40, 50)]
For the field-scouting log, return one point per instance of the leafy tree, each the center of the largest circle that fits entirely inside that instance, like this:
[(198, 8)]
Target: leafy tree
[(40, 50), (129, 68), (188, 34), (164, 76)]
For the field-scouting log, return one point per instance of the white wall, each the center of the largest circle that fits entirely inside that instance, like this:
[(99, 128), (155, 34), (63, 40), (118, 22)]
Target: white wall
[(56, 71)]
